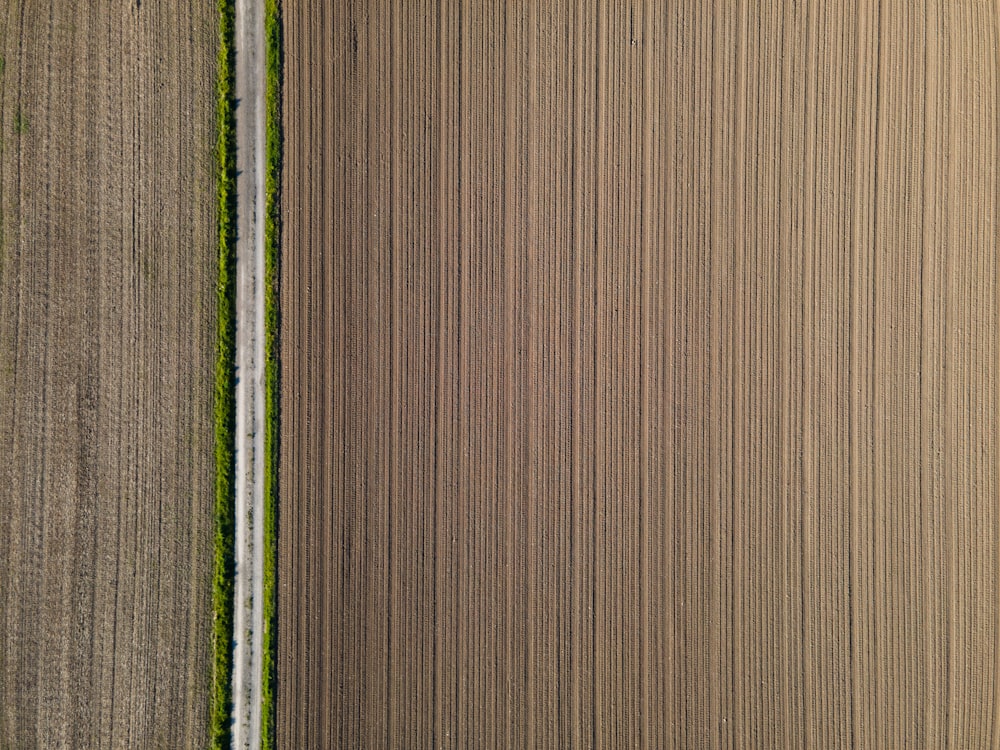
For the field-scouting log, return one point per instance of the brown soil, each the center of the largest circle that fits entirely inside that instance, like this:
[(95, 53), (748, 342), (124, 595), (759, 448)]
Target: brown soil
[(107, 335), (640, 375)]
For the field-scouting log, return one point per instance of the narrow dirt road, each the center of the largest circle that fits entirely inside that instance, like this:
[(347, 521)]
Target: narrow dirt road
[(250, 366)]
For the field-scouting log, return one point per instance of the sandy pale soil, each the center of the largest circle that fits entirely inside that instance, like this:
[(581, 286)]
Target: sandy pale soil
[(640, 375), (107, 336)]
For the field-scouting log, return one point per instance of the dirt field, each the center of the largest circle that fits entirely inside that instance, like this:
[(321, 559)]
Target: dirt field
[(107, 336), (640, 375)]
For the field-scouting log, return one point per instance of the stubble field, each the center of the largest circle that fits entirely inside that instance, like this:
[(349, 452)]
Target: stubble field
[(639, 368), (107, 337)]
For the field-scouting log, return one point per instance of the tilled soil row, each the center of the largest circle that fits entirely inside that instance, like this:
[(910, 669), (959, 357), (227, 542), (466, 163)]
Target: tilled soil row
[(107, 336), (639, 368)]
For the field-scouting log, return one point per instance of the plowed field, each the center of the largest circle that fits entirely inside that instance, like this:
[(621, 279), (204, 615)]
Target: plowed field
[(639, 369), (107, 338)]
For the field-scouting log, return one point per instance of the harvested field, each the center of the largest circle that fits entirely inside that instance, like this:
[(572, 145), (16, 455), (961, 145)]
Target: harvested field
[(107, 339), (639, 375)]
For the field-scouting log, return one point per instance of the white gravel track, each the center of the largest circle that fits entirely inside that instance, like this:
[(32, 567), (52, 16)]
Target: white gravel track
[(249, 584)]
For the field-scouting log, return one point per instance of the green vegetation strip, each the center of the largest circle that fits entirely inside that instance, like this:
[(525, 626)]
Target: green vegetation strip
[(272, 238), (225, 391)]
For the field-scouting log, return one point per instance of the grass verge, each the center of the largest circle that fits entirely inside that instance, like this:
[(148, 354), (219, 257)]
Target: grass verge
[(225, 393), (272, 238)]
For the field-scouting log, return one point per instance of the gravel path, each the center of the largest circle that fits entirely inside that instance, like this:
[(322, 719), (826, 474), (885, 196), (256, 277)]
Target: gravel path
[(250, 364)]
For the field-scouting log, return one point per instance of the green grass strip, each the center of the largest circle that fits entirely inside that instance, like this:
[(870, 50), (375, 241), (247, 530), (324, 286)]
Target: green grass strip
[(272, 238), (225, 390)]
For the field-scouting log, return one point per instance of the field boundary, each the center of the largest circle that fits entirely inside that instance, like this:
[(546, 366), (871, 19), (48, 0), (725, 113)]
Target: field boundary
[(272, 239), (225, 394)]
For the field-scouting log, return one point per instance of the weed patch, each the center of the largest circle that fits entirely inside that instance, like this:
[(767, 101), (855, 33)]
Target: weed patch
[(225, 396)]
